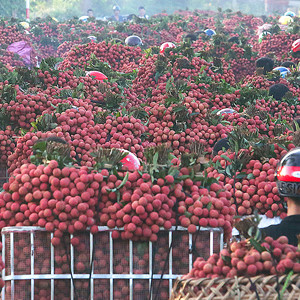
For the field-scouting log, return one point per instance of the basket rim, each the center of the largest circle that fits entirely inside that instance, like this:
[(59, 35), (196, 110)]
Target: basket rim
[(240, 279)]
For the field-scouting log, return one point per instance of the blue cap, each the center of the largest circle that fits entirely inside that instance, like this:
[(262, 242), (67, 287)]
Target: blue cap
[(283, 71), (210, 32), (290, 14)]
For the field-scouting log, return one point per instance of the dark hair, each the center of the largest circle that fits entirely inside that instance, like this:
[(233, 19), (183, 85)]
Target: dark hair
[(295, 199), (191, 36), (265, 62), (89, 10), (141, 7), (219, 145), (278, 91), (288, 64), (234, 39)]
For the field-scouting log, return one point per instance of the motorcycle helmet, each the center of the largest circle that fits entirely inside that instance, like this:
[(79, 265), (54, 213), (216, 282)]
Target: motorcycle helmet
[(285, 20), (288, 174), (133, 40), (24, 24), (290, 14), (92, 38), (283, 71), (98, 75), (209, 32), (84, 18), (130, 161), (296, 46), (166, 45), (225, 111)]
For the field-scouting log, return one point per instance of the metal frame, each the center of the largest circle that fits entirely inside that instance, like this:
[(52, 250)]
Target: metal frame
[(111, 276)]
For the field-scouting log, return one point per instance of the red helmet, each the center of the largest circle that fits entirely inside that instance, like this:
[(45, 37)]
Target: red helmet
[(130, 161), (296, 46), (288, 174), (98, 75), (166, 45)]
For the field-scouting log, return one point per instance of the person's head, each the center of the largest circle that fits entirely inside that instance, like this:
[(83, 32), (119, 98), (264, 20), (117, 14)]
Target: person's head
[(116, 10), (289, 64), (234, 39), (278, 91), (191, 37), (90, 13), (288, 179), (220, 145), (266, 63), (142, 11)]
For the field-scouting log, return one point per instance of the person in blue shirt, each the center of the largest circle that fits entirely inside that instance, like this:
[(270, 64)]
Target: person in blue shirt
[(142, 13), (117, 17)]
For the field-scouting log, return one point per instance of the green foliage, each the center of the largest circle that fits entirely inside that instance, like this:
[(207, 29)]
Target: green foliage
[(159, 162), (45, 151), (15, 8), (44, 123), (4, 118), (8, 94), (108, 158), (250, 94), (59, 9)]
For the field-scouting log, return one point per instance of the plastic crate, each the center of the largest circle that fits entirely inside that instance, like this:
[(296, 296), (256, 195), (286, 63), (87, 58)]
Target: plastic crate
[(100, 267)]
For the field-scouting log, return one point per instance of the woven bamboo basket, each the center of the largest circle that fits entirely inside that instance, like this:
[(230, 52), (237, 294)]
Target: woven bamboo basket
[(239, 288)]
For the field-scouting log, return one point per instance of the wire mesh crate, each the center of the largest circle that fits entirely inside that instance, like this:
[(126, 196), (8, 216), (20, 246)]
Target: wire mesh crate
[(98, 266)]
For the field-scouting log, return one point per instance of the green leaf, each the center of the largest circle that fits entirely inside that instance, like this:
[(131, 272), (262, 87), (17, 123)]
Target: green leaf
[(226, 259), (173, 172), (226, 158), (33, 124), (250, 176), (257, 245), (240, 175), (156, 77), (188, 214), (228, 170), (125, 179), (286, 283), (155, 159), (209, 205), (184, 177), (258, 235)]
